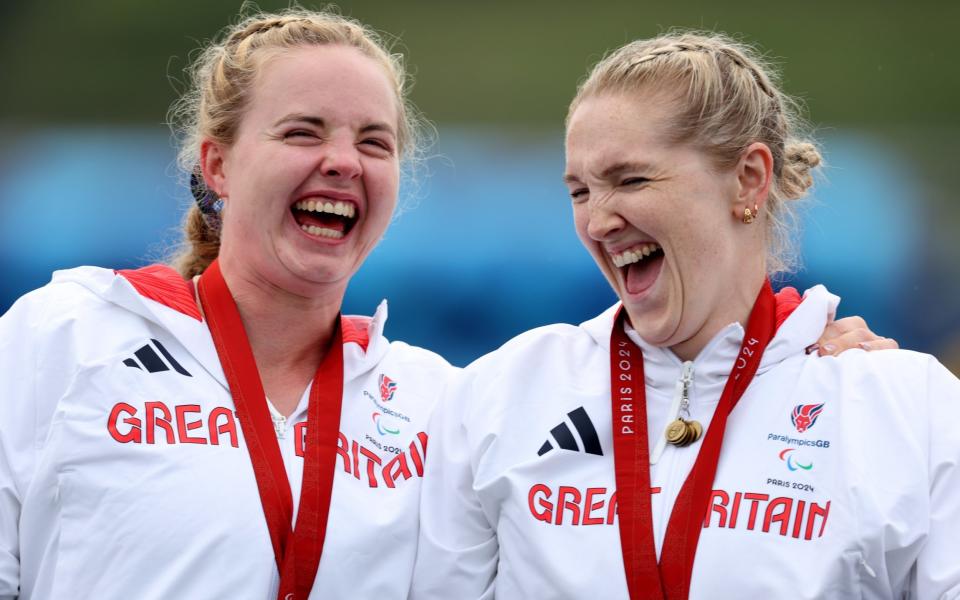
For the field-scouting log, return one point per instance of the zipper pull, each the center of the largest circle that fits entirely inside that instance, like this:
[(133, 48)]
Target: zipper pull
[(866, 567), (680, 404), (279, 425), (686, 378)]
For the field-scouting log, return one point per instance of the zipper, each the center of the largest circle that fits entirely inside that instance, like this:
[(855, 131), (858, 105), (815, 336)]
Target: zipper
[(279, 421), (675, 476), (279, 425), (686, 378)]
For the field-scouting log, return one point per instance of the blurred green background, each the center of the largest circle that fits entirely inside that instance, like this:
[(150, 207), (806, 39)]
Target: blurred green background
[(890, 66), (497, 76)]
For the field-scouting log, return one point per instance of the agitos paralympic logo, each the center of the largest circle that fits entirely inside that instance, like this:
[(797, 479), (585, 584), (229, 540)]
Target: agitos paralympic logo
[(793, 462), (381, 428)]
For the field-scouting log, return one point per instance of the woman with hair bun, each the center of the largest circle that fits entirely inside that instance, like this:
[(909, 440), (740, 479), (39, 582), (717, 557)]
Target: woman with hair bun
[(682, 444)]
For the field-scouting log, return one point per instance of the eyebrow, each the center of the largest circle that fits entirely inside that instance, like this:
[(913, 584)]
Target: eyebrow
[(302, 118), (378, 127), (320, 123), (612, 171)]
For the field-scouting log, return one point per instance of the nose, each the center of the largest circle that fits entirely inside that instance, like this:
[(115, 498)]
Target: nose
[(604, 220), (340, 160)]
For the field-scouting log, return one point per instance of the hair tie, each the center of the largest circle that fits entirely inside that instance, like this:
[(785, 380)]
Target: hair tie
[(208, 202)]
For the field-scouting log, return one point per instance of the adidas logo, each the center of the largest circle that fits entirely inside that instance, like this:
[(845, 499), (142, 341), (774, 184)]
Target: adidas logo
[(147, 358), (565, 439)]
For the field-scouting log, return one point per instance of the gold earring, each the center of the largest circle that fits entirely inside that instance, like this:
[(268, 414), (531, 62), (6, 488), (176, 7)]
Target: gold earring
[(749, 216)]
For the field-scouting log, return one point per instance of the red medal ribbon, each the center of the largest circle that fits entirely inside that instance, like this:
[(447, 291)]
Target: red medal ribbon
[(670, 579), (297, 550)]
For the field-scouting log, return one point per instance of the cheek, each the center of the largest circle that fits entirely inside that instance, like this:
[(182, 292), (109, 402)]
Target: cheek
[(700, 234), (382, 172), (382, 184), (580, 223)]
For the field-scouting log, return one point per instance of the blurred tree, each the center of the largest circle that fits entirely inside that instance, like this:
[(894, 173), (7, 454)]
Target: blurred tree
[(490, 62)]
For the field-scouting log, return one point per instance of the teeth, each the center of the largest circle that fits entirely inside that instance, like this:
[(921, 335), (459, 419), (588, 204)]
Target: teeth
[(633, 255), (322, 231), (344, 209)]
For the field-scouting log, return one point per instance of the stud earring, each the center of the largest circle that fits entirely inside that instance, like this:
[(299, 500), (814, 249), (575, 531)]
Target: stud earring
[(749, 216)]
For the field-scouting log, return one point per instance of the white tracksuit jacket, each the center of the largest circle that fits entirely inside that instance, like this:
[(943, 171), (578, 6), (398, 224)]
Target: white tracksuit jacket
[(519, 498), (124, 473)]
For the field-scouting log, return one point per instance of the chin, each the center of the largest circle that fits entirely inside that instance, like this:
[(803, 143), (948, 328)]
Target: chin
[(656, 338), (659, 331)]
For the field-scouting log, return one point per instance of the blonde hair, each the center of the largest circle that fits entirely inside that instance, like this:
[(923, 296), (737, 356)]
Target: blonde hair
[(726, 98), (222, 78)]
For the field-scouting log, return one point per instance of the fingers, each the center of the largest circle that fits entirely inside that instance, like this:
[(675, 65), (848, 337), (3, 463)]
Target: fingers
[(849, 333), (880, 344), (835, 329)]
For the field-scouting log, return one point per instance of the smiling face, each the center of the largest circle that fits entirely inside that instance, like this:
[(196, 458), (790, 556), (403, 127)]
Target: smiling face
[(661, 221), (311, 181)]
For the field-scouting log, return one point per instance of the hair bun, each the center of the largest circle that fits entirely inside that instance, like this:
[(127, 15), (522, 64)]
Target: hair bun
[(800, 158)]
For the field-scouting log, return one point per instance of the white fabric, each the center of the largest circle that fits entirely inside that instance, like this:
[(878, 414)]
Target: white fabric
[(875, 479), (83, 515)]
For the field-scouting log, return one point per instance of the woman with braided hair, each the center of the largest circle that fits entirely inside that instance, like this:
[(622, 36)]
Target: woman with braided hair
[(682, 444), (205, 431)]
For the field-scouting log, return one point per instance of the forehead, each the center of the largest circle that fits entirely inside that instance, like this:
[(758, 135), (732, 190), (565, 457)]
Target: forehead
[(312, 79), (618, 126)]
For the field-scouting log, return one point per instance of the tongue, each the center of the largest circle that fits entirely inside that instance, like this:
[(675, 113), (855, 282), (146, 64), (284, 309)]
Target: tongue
[(642, 275), (325, 220)]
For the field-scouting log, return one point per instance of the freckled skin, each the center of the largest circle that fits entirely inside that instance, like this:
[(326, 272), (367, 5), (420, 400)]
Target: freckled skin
[(271, 165), (674, 195)]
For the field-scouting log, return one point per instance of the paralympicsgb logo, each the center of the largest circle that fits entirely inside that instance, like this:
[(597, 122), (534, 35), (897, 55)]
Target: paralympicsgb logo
[(804, 416), (388, 388)]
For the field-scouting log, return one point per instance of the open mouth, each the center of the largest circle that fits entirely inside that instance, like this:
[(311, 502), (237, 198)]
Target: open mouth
[(640, 266), (331, 219)]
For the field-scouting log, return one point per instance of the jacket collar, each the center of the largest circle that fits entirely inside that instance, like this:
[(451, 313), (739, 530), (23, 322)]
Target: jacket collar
[(714, 363), (361, 352)]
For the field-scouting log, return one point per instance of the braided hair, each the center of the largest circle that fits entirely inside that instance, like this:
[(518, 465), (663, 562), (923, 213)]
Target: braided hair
[(727, 98), (222, 78)]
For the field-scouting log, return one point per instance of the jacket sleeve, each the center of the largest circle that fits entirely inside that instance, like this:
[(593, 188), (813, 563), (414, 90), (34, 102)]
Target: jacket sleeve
[(457, 551), (938, 565), (17, 425)]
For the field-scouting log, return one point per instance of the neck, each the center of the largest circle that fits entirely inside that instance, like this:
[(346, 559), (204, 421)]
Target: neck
[(287, 332), (735, 306)]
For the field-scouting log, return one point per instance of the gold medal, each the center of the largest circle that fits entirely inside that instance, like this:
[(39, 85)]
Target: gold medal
[(676, 431), (688, 434), (682, 433), (697, 430)]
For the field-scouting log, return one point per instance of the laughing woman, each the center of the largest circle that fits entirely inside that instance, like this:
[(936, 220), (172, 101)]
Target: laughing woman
[(207, 432), (682, 444)]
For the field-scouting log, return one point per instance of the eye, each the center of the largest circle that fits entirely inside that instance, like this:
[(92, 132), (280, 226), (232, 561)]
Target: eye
[(579, 194), (299, 136), (378, 145), (634, 181)]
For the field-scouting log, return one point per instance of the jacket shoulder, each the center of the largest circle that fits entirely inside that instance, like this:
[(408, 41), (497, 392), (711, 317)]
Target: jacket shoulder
[(62, 299), (415, 357), (542, 344)]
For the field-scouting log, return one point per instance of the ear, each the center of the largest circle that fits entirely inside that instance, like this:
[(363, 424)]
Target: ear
[(212, 163), (754, 176)]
